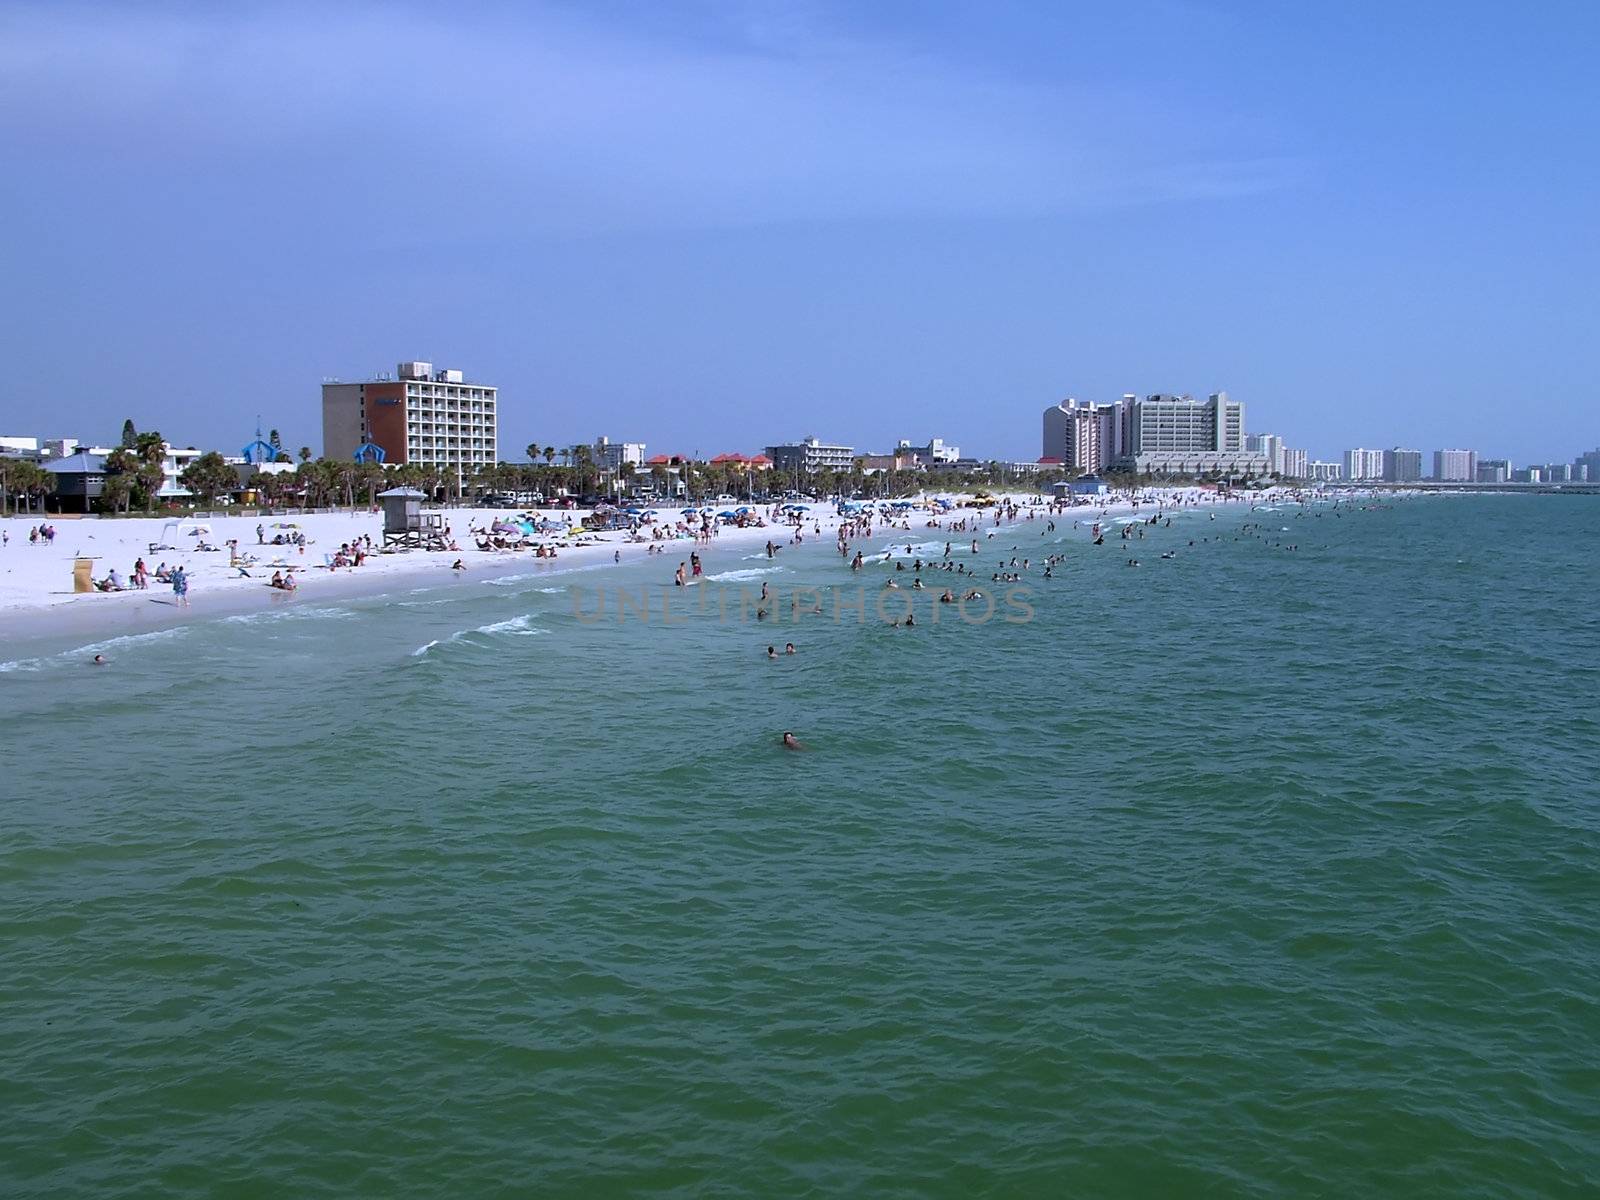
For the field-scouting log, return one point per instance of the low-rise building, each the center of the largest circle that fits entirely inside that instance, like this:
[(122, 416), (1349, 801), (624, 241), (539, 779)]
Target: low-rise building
[(811, 455), (80, 480)]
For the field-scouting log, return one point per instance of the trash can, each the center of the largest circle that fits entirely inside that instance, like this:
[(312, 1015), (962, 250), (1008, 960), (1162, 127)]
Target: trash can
[(83, 575)]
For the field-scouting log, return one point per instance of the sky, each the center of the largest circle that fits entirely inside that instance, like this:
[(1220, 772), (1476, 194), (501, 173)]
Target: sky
[(710, 226)]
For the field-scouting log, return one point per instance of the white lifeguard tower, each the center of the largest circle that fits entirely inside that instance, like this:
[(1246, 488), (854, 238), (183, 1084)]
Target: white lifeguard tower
[(405, 525)]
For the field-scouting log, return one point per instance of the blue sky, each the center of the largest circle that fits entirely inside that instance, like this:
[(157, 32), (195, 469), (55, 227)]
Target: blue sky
[(713, 225)]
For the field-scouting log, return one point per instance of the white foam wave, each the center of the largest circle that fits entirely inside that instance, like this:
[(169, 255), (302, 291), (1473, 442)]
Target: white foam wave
[(521, 626), (745, 574), (132, 639), (514, 626), (290, 614)]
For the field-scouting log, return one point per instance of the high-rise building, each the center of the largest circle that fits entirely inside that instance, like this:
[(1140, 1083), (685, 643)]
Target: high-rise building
[(1402, 466), (1455, 466), (1556, 473), (1363, 464), (1182, 436), (1589, 463), (1492, 470), (433, 418), (611, 455), (1083, 437), (1270, 446), (1321, 471), (1294, 464)]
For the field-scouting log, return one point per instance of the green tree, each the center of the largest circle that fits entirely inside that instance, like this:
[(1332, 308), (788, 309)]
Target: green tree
[(122, 466), (23, 480), (151, 451), (117, 493), (274, 441), (305, 454), (129, 433), (209, 477)]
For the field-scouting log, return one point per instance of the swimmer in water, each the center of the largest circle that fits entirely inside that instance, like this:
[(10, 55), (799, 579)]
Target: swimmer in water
[(788, 647), (790, 742), (99, 660), (772, 652)]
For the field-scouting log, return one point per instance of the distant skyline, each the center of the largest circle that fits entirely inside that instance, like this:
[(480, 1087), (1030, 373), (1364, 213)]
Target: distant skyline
[(709, 226)]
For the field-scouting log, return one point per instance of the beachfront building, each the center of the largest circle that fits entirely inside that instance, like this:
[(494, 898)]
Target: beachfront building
[(1588, 465), (25, 448), (1082, 437), (611, 455), (1269, 446), (1360, 464), (743, 462), (902, 458), (432, 418), (1402, 466), (1493, 470), (1322, 471), (1455, 466), (1294, 464), (811, 455), (934, 454), (80, 480), (174, 461), (1179, 435)]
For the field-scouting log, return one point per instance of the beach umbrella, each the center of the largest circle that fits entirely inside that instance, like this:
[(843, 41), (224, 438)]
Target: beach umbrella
[(726, 513)]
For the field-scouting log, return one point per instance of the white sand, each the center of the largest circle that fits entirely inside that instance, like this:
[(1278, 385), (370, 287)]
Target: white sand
[(36, 593)]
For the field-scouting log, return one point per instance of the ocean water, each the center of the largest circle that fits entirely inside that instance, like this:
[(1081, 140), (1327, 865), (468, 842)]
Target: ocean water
[(1256, 871)]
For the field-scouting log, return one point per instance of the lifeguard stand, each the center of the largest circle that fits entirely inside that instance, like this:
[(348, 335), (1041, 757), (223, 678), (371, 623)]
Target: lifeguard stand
[(405, 525)]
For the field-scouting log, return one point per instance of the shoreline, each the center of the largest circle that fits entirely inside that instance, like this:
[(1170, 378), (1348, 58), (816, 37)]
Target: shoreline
[(33, 615)]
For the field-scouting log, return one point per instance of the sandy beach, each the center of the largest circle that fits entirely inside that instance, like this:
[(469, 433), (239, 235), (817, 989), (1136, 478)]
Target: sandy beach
[(36, 579)]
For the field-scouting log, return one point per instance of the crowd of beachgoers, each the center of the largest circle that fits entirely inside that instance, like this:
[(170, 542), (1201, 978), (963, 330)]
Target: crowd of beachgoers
[(227, 558)]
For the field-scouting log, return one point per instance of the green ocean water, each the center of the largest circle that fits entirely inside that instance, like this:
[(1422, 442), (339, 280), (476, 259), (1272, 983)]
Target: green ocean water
[(1251, 872)]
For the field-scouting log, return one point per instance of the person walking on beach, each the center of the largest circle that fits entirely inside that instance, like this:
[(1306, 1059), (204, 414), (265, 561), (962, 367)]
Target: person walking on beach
[(180, 586), (261, 534)]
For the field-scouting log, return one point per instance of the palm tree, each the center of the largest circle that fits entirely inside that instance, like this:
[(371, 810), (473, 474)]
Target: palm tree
[(305, 454), (150, 449)]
